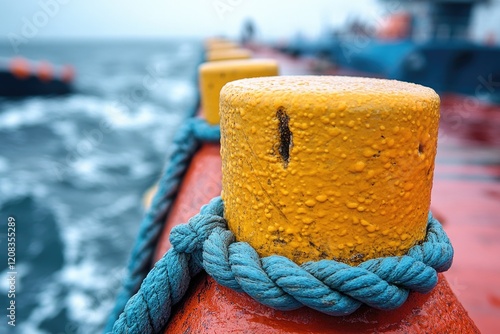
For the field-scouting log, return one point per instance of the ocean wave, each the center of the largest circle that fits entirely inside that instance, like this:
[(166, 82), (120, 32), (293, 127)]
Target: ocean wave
[(4, 165), (126, 111), (74, 168)]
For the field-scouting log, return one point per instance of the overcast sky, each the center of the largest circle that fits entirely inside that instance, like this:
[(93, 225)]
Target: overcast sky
[(72, 19), (166, 18)]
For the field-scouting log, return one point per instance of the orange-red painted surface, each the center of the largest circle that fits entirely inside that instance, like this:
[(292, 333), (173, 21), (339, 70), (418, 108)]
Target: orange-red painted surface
[(211, 308), (201, 183), (466, 193), (466, 196)]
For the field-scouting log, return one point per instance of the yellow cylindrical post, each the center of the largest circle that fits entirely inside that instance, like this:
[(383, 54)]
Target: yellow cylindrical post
[(212, 45), (328, 167), (227, 54), (214, 75)]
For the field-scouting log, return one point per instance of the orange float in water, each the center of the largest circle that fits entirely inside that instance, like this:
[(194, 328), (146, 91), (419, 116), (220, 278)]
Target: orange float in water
[(45, 71), (67, 73), (20, 68)]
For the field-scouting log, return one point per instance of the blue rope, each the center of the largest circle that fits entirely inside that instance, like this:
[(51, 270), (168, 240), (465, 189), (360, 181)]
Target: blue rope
[(328, 286), (186, 142)]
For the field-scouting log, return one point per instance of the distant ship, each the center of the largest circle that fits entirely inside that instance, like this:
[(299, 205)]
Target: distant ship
[(426, 42)]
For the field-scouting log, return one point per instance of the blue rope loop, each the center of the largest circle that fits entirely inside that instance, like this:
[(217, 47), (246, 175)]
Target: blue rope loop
[(185, 143), (328, 286)]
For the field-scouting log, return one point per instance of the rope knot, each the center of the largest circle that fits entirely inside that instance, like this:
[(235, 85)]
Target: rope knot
[(328, 286), (190, 237)]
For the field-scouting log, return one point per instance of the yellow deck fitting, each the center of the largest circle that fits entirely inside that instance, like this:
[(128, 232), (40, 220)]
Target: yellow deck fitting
[(228, 54), (328, 167), (214, 75), (220, 45)]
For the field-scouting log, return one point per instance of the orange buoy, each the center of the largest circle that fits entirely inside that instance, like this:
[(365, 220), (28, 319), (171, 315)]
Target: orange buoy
[(67, 73), (45, 71), (20, 68)]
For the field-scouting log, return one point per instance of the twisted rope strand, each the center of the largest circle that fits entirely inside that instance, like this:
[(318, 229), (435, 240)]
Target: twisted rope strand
[(185, 143), (328, 286)]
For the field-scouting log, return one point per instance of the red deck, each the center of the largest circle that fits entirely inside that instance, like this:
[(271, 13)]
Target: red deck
[(466, 196)]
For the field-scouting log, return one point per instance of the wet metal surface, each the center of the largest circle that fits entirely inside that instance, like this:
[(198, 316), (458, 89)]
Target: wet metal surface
[(466, 195)]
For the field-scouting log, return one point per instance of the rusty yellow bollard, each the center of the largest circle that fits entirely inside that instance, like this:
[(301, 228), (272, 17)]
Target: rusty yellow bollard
[(323, 167), (214, 75), (328, 167)]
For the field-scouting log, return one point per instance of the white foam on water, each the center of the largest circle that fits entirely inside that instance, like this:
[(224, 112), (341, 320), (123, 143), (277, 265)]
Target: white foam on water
[(67, 130), (46, 309), (85, 287), (21, 184), (4, 165), (30, 113), (23, 269), (41, 110), (173, 92), (87, 170), (91, 283)]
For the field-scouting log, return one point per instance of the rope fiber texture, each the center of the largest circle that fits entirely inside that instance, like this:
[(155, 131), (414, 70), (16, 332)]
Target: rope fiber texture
[(185, 143), (328, 286)]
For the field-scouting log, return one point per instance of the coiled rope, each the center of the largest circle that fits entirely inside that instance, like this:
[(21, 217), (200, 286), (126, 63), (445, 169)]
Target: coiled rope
[(328, 286), (185, 143)]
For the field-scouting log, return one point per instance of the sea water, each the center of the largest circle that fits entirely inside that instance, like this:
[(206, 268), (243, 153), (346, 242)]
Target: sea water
[(73, 170)]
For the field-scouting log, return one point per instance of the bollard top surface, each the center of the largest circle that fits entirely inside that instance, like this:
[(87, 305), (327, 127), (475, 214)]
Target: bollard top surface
[(336, 85), (224, 65)]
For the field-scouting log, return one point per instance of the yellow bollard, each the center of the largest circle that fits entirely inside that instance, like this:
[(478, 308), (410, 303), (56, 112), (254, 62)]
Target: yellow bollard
[(220, 45), (328, 167), (214, 75), (228, 54)]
